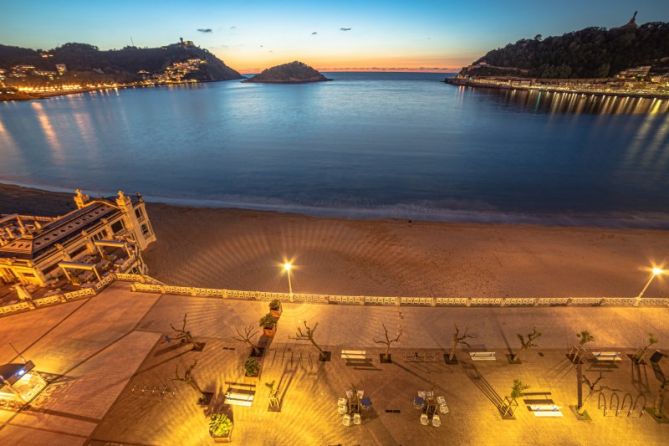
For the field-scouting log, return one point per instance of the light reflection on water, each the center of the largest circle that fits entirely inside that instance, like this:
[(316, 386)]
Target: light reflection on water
[(577, 103), (391, 144)]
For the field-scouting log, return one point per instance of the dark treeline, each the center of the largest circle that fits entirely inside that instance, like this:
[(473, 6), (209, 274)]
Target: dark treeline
[(588, 53), (125, 62)]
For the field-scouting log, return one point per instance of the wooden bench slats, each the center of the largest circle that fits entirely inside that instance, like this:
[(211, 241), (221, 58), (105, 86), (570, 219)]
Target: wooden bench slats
[(483, 356), (547, 413)]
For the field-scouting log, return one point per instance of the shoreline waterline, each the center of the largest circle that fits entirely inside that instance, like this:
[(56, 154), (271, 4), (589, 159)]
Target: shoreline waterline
[(406, 212)]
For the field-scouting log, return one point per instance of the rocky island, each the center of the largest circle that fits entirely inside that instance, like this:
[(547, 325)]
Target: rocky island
[(290, 73)]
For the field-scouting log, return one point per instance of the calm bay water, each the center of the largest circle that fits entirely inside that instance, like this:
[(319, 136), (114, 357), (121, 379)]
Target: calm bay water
[(366, 144)]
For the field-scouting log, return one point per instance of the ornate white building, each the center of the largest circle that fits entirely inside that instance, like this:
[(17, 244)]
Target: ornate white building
[(81, 246)]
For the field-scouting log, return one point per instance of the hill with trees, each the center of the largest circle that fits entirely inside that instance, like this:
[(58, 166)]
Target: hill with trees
[(122, 65), (589, 53), (290, 73)]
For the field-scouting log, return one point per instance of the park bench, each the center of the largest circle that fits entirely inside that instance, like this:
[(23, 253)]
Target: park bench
[(240, 394), (354, 355), (547, 413), (544, 410), (607, 356), (356, 358), (482, 356), (239, 398)]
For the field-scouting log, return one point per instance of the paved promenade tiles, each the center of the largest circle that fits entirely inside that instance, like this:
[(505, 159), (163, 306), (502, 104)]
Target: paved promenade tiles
[(119, 375)]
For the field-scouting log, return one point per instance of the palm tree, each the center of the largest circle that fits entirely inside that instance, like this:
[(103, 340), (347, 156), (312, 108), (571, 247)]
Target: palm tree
[(516, 392)]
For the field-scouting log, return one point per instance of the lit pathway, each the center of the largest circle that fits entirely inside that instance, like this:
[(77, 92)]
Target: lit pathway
[(91, 343), (109, 344)]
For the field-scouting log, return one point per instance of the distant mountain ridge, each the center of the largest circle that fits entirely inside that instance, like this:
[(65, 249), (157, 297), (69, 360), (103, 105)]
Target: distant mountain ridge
[(589, 53), (122, 65), (290, 73)]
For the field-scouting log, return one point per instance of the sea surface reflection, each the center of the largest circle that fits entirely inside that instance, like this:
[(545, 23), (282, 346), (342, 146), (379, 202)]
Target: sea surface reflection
[(366, 144)]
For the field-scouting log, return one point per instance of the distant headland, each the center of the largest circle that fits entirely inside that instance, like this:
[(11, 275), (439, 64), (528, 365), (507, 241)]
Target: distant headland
[(76, 67), (628, 60), (290, 73)]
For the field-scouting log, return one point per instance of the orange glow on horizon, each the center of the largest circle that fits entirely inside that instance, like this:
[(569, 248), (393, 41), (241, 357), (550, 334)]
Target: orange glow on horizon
[(255, 63)]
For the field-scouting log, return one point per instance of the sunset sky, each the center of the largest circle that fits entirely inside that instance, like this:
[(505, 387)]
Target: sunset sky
[(343, 34)]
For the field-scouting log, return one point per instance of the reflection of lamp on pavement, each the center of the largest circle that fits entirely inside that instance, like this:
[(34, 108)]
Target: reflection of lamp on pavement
[(19, 383), (654, 272)]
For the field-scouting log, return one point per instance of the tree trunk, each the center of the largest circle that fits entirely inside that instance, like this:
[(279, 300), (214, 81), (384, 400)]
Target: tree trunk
[(579, 387), (659, 401), (316, 345), (452, 354)]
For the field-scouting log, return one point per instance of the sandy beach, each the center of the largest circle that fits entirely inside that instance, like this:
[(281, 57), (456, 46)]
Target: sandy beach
[(241, 249)]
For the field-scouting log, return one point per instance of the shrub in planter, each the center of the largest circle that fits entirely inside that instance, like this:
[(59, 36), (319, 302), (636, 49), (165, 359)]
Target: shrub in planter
[(252, 367), (220, 426), (275, 308), (268, 323)]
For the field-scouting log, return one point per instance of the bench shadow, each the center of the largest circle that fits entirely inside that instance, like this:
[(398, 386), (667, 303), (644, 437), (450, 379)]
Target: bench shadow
[(483, 385)]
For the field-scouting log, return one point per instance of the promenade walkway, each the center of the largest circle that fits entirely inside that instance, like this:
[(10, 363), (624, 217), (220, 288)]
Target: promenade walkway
[(107, 349)]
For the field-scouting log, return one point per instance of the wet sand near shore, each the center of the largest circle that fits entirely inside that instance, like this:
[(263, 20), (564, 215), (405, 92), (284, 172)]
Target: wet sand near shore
[(241, 249)]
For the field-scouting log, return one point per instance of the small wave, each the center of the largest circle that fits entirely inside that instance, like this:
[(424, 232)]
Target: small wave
[(442, 211)]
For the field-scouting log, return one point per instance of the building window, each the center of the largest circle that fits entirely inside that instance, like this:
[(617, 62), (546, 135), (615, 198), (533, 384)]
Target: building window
[(139, 213), (117, 227), (145, 230), (27, 274)]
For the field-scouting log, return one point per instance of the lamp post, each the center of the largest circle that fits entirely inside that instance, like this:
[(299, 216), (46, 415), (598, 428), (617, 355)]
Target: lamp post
[(656, 271), (287, 267)]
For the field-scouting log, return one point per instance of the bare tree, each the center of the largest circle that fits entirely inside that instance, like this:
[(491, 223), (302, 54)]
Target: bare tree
[(458, 339), (308, 334), (388, 341), (592, 389), (187, 377), (638, 356), (249, 332), (526, 343), (182, 335)]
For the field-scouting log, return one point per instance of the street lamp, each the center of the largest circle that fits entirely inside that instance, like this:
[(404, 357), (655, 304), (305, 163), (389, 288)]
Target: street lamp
[(654, 272), (287, 267)]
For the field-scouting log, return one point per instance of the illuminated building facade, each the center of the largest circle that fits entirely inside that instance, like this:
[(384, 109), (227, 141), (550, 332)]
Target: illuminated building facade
[(100, 235)]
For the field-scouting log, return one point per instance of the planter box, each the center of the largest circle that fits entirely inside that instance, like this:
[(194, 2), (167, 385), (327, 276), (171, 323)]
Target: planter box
[(386, 359), (223, 439)]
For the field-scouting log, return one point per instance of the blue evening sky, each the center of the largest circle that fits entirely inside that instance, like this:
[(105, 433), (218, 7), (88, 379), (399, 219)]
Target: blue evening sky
[(258, 33)]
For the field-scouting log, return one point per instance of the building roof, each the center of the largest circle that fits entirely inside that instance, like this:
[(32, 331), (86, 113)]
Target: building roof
[(33, 245)]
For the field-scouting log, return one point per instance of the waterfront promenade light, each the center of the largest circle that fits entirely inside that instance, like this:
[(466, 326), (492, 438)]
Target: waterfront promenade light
[(655, 271), (287, 268)]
